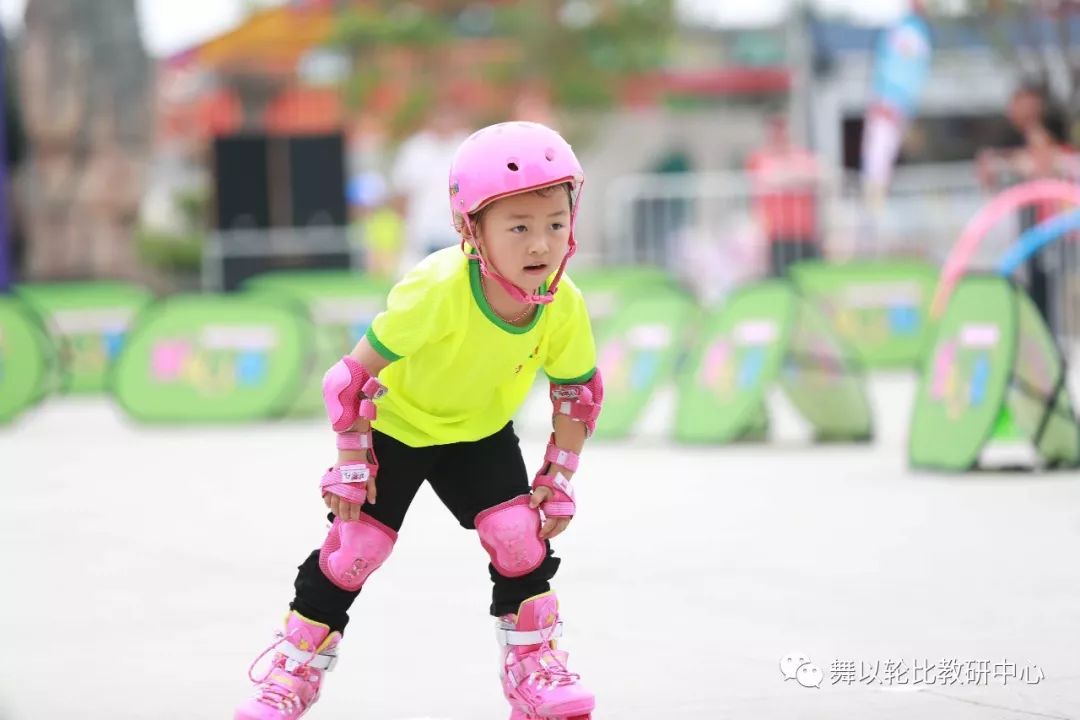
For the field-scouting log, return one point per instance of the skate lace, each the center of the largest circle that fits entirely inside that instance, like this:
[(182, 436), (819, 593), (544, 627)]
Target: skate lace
[(272, 692), (552, 672)]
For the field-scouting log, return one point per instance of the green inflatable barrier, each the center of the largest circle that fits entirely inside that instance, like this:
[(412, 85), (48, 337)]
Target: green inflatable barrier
[(607, 290), (638, 350), (27, 359), (769, 333), (342, 304), (205, 358), (993, 373), (881, 310), (88, 322)]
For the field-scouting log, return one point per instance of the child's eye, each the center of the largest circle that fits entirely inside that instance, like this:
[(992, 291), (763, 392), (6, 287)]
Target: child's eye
[(557, 226), (519, 229)]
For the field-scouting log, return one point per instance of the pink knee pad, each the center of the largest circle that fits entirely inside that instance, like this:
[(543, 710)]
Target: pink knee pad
[(510, 533), (355, 549)]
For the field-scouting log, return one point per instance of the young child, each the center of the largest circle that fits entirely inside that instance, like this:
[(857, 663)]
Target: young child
[(447, 365)]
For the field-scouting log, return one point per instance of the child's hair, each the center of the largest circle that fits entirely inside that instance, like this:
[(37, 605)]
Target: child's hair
[(476, 217)]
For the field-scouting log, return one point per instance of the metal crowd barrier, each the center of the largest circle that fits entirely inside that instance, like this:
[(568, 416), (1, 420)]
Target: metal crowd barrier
[(706, 228), (231, 256)]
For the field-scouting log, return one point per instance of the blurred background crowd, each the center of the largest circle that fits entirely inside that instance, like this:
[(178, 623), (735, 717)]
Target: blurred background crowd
[(722, 140)]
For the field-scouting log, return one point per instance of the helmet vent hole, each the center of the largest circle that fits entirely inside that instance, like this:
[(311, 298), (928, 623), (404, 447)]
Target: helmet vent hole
[(549, 154), (513, 166)]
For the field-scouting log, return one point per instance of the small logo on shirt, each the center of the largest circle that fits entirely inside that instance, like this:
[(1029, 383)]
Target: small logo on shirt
[(532, 355)]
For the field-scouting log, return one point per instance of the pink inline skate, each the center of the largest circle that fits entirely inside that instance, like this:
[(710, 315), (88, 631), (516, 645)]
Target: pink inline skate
[(303, 653), (534, 675)]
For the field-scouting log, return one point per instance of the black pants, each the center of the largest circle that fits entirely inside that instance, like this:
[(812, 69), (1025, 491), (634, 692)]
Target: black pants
[(468, 477)]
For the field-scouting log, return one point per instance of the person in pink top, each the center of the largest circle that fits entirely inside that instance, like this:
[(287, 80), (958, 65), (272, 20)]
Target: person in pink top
[(785, 182)]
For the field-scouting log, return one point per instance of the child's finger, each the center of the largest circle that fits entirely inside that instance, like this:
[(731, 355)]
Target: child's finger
[(335, 505), (539, 496), (371, 491), (549, 526), (563, 523)]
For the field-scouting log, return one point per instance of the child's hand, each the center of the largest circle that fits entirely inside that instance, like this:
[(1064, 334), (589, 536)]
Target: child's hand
[(348, 457), (349, 484), (552, 526), (342, 508)]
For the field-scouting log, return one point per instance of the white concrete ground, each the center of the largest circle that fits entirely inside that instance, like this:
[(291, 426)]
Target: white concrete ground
[(145, 567)]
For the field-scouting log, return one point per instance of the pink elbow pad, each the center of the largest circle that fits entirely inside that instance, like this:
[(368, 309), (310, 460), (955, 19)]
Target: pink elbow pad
[(349, 392), (580, 402)]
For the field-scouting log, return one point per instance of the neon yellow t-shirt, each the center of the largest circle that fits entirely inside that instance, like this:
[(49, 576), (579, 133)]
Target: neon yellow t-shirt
[(458, 372)]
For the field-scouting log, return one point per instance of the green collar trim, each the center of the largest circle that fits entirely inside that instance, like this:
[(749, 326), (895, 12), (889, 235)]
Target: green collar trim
[(485, 307)]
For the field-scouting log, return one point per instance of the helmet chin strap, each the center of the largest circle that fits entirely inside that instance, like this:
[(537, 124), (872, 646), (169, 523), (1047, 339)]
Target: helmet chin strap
[(522, 296), (517, 293)]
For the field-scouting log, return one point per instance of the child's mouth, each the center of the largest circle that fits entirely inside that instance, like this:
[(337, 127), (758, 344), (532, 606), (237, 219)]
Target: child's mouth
[(536, 269)]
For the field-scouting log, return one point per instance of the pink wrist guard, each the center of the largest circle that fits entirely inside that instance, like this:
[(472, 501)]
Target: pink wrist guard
[(354, 440), (560, 457), (349, 482), (562, 504), (349, 392)]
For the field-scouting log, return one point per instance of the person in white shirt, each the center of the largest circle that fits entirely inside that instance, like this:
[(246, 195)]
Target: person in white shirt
[(418, 179)]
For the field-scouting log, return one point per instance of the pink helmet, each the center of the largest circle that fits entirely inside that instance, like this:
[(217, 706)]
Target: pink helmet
[(507, 159)]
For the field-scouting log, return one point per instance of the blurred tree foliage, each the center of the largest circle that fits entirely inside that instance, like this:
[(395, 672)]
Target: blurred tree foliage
[(377, 33), (178, 250), (583, 51), (579, 51)]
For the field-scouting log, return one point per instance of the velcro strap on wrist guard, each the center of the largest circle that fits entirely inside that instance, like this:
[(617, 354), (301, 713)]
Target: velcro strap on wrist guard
[(563, 458), (562, 504), (354, 440), (349, 481)]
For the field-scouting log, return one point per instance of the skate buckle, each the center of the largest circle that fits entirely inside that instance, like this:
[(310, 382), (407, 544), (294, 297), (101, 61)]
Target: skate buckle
[(507, 636), (326, 661)]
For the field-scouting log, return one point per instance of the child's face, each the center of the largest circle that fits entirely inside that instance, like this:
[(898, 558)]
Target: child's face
[(526, 236)]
